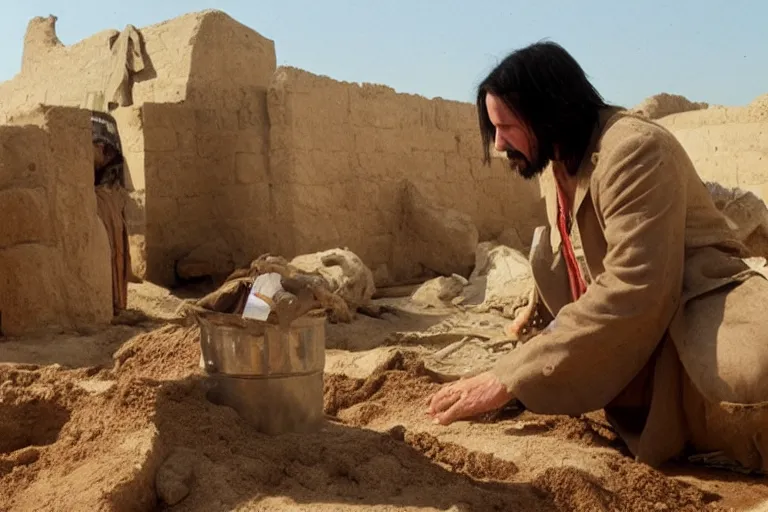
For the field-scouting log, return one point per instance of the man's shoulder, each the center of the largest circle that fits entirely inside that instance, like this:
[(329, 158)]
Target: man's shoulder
[(632, 147), (626, 131)]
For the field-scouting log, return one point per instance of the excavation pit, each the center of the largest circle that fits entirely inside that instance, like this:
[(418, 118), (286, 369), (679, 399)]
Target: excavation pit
[(31, 423)]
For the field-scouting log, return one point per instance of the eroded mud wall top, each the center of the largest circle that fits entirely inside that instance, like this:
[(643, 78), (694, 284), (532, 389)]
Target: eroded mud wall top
[(340, 154), (196, 58), (54, 252)]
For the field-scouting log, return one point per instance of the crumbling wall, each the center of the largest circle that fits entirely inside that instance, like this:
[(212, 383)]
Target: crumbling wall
[(205, 180), (341, 154), (55, 74), (195, 138), (54, 252), (206, 160), (727, 145), (206, 185)]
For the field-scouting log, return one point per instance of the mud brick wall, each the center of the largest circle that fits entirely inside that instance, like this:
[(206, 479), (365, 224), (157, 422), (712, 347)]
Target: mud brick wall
[(211, 74), (206, 173), (205, 161), (727, 145), (54, 252), (214, 167), (340, 152)]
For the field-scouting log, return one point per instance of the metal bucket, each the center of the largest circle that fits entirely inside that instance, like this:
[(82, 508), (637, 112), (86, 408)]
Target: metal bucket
[(273, 377)]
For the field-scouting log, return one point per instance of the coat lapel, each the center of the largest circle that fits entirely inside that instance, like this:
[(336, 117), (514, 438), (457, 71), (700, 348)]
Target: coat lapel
[(591, 158), (547, 180), (547, 183)]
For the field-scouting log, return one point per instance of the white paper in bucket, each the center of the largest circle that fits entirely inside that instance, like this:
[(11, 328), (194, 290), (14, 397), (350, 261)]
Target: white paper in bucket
[(265, 285), (256, 308)]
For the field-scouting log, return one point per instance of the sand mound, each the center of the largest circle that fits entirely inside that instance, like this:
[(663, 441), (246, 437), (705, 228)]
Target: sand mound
[(664, 104), (143, 436), (459, 459), (635, 487), (758, 108), (73, 449), (168, 353), (400, 381)]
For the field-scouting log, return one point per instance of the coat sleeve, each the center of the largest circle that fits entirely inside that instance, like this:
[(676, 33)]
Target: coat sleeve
[(599, 343)]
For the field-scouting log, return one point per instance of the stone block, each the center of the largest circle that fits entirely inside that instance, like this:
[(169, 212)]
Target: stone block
[(26, 217), (252, 140), (440, 239), (27, 306), (162, 115), (206, 119), (453, 115), (375, 140), (20, 163), (423, 139), (251, 168), (215, 144), (428, 165), (52, 238), (329, 104), (160, 139), (469, 144)]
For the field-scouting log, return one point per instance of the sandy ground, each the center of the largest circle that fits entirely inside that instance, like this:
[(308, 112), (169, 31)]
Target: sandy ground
[(112, 419)]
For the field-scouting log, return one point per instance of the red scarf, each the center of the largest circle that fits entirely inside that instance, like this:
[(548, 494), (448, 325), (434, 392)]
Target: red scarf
[(578, 287)]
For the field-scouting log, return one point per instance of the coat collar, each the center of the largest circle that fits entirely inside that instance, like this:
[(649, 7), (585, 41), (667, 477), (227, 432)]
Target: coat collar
[(584, 176)]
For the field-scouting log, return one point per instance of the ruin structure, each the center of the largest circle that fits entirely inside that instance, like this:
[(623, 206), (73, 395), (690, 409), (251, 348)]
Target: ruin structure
[(54, 253), (229, 157)]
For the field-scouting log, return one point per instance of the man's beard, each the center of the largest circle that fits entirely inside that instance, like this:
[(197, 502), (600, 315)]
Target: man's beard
[(520, 164)]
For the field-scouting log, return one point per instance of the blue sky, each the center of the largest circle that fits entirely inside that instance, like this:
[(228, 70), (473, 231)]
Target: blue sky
[(707, 50)]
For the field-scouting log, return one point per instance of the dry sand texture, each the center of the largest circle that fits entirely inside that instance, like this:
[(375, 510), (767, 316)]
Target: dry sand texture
[(139, 434)]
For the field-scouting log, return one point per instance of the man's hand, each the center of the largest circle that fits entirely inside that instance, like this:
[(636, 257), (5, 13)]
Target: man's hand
[(468, 397), (522, 319)]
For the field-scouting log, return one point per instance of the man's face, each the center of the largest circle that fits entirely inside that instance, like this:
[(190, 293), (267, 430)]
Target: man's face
[(103, 154), (514, 138), (99, 156)]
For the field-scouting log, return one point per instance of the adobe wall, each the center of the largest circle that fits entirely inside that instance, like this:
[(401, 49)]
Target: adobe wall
[(727, 145), (54, 74), (54, 252), (206, 159), (214, 168), (204, 125), (340, 154), (207, 183)]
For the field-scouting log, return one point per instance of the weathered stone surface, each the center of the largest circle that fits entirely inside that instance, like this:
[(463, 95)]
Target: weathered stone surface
[(440, 239), (747, 215), (728, 145), (500, 280), (664, 104), (439, 292), (54, 252), (175, 476), (213, 258), (346, 274), (341, 151), (512, 239)]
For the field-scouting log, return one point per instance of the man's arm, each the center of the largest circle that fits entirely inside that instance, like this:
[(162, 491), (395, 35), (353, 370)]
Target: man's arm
[(599, 343)]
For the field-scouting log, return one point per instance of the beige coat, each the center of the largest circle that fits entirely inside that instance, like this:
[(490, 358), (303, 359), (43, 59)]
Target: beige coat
[(671, 336)]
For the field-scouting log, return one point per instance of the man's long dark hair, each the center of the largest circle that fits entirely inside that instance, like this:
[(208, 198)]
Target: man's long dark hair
[(546, 88)]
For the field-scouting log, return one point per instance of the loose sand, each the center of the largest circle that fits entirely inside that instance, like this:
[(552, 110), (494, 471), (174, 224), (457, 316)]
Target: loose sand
[(114, 437)]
